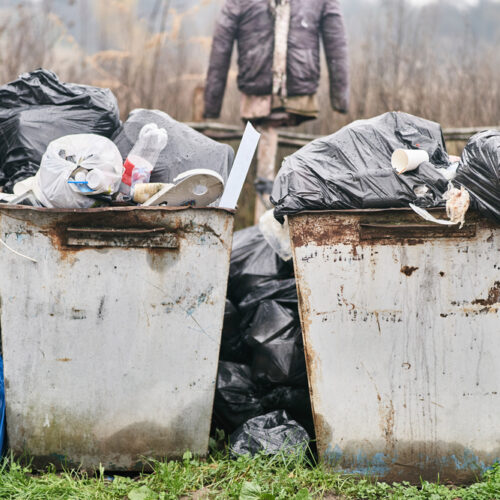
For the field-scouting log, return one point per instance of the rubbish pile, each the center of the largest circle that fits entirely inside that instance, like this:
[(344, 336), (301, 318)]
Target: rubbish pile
[(262, 396), (479, 172), (37, 109), (390, 161), (57, 151), (352, 168)]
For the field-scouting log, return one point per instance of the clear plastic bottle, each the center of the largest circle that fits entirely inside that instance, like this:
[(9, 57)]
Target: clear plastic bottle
[(143, 157)]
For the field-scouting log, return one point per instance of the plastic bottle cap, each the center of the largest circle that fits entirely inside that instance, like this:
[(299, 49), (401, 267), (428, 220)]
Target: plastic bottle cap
[(80, 177), (95, 179)]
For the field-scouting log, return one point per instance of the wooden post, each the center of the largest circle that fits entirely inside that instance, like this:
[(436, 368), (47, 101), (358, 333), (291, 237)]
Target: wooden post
[(266, 161), (198, 103)]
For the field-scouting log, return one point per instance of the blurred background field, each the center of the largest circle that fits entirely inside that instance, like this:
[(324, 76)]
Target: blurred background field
[(436, 59)]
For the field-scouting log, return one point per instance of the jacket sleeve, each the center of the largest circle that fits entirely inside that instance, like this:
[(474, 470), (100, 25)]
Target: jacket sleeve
[(220, 58), (335, 43)]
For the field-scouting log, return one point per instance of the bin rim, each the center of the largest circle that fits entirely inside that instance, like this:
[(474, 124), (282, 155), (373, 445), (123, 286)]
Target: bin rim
[(366, 211), (25, 208)]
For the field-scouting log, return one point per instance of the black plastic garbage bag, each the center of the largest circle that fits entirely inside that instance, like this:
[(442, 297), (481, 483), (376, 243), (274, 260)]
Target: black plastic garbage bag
[(352, 168), (479, 172), (236, 396), (186, 149), (37, 109), (280, 360), (233, 348), (275, 338), (253, 264), (295, 400), (282, 290), (263, 292), (270, 321), (272, 433)]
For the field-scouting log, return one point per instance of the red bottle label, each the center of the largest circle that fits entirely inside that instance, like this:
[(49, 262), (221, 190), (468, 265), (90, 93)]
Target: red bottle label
[(127, 175)]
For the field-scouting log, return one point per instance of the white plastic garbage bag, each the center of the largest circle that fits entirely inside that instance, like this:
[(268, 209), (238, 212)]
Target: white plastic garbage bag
[(63, 156)]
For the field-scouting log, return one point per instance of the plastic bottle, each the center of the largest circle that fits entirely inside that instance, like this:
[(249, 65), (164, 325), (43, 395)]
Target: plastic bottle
[(143, 156), (101, 181)]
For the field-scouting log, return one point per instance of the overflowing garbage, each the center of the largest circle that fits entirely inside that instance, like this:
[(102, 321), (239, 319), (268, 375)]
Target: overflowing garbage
[(75, 169), (352, 168), (185, 150), (57, 151), (262, 367), (37, 109), (479, 172), (64, 147), (390, 161)]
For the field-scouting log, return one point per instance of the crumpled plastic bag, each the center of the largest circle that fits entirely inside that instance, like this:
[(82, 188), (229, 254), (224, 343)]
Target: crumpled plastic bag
[(63, 156), (236, 396), (186, 150), (262, 337), (282, 290), (272, 433), (479, 172), (233, 348), (277, 235), (253, 264), (295, 400), (275, 337), (351, 169), (36, 109)]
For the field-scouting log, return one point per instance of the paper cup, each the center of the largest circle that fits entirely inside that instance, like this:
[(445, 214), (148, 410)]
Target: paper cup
[(405, 160)]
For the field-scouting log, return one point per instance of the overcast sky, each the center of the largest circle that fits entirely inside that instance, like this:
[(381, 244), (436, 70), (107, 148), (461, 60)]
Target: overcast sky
[(463, 2)]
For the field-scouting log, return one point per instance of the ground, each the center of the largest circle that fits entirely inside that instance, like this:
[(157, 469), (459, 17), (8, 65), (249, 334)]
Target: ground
[(221, 477)]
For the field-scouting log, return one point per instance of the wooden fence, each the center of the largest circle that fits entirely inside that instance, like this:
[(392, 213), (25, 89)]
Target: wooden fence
[(231, 133), (289, 142)]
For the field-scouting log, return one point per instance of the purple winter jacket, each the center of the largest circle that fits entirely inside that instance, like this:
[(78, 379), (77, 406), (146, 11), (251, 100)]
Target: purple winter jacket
[(251, 24)]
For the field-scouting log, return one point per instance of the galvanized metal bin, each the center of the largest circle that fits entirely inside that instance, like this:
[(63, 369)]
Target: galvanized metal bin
[(111, 339), (401, 327)]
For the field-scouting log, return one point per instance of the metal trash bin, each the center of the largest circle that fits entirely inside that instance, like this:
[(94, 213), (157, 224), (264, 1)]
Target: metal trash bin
[(111, 339), (401, 328)]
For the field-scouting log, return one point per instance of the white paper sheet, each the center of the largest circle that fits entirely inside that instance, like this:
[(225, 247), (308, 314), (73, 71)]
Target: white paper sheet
[(241, 165)]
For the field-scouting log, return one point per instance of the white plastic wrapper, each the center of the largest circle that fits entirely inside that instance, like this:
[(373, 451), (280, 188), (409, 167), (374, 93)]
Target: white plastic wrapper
[(85, 150), (277, 235)]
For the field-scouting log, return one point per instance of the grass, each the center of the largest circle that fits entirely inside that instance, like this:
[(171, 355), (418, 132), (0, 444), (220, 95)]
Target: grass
[(246, 478)]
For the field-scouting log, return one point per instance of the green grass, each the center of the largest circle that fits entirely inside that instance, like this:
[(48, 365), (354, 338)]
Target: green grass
[(258, 478)]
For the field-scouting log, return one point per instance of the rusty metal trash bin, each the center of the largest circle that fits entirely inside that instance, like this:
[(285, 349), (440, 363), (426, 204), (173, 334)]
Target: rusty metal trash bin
[(401, 328), (111, 339)]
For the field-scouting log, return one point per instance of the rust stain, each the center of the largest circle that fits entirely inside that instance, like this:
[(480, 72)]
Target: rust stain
[(408, 270), (342, 300), (115, 220), (368, 228), (64, 360), (322, 429), (437, 404), (324, 433), (378, 322), (387, 415), (493, 296)]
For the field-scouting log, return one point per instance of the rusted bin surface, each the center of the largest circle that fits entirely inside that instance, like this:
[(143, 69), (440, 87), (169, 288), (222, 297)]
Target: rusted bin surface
[(111, 339), (401, 328)]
